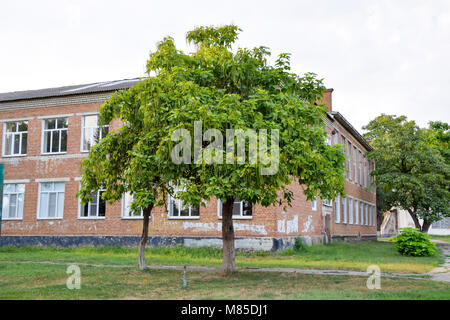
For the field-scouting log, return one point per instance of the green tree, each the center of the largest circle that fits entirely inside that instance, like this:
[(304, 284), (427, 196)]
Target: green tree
[(411, 172), (218, 88)]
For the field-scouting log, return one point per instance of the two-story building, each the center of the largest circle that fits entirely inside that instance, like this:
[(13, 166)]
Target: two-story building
[(46, 133)]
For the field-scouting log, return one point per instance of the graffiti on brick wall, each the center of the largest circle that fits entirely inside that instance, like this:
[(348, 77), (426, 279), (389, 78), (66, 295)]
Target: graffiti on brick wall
[(288, 226), (211, 226)]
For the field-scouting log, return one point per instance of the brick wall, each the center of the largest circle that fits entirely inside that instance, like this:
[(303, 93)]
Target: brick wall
[(274, 221)]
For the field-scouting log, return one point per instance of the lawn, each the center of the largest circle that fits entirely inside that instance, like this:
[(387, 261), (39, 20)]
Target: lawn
[(21, 280), (340, 255), (442, 238)]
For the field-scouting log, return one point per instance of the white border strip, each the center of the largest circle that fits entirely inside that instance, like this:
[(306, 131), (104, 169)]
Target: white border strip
[(17, 181), (56, 116), (17, 119), (88, 113), (52, 180)]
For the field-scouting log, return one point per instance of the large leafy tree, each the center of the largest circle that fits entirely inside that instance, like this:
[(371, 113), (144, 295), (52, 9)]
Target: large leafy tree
[(411, 169), (218, 88)]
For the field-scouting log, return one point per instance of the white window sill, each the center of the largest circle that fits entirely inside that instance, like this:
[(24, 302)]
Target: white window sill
[(51, 218), (240, 218), (11, 219), (14, 155), (53, 153), (91, 218), (132, 218), (183, 218)]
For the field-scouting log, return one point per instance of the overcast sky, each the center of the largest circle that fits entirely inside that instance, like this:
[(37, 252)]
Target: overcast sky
[(380, 56)]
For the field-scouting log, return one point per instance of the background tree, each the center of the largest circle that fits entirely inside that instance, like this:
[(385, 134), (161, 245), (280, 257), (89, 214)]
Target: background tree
[(411, 171)]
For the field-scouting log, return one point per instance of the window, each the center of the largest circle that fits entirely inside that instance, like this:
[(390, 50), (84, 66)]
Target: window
[(345, 152), (366, 213), (344, 210), (355, 160), (51, 200), (15, 138), (372, 216), (178, 210), (356, 212), (327, 202), (241, 209), (328, 140), (55, 135), (127, 213), (350, 210), (360, 176), (361, 211), (365, 171), (13, 201), (314, 205), (91, 132), (349, 160), (94, 209), (336, 137), (337, 209)]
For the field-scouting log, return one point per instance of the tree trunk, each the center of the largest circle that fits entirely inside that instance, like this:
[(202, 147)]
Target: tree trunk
[(228, 236), (415, 219), (426, 226), (144, 237)]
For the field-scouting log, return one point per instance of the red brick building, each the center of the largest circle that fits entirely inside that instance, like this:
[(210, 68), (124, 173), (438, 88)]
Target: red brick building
[(46, 133)]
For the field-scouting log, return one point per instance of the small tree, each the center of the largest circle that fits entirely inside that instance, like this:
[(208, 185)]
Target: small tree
[(410, 171), (239, 90)]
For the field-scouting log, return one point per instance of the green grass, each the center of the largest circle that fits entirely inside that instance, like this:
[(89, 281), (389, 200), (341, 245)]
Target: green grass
[(20, 280), (340, 255), (442, 238)]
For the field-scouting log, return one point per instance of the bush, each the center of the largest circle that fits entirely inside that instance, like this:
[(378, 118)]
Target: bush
[(299, 245), (411, 242)]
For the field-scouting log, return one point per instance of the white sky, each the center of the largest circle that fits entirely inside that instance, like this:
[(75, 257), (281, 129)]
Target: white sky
[(380, 56)]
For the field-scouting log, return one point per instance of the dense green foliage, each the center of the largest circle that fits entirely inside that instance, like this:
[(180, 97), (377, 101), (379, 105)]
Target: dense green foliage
[(412, 167), (411, 242)]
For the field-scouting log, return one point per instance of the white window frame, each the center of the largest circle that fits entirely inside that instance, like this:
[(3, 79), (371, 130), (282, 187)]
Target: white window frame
[(337, 209), (344, 210), (56, 204), (52, 130), (350, 210), (19, 207), (349, 159), (327, 202), (235, 217), (180, 204), (355, 161), (361, 211), (20, 133), (124, 208), (344, 143), (366, 212), (336, 137), (83, 127), (314, 205), (356, 211), (328, 139), (96, 217)]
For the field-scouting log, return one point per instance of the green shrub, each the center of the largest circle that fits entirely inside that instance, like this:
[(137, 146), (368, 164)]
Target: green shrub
[(299, 245), (411, 242)]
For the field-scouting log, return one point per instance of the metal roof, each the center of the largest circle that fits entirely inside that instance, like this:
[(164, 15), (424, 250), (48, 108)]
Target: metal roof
[(69, 90), (340, 118)]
